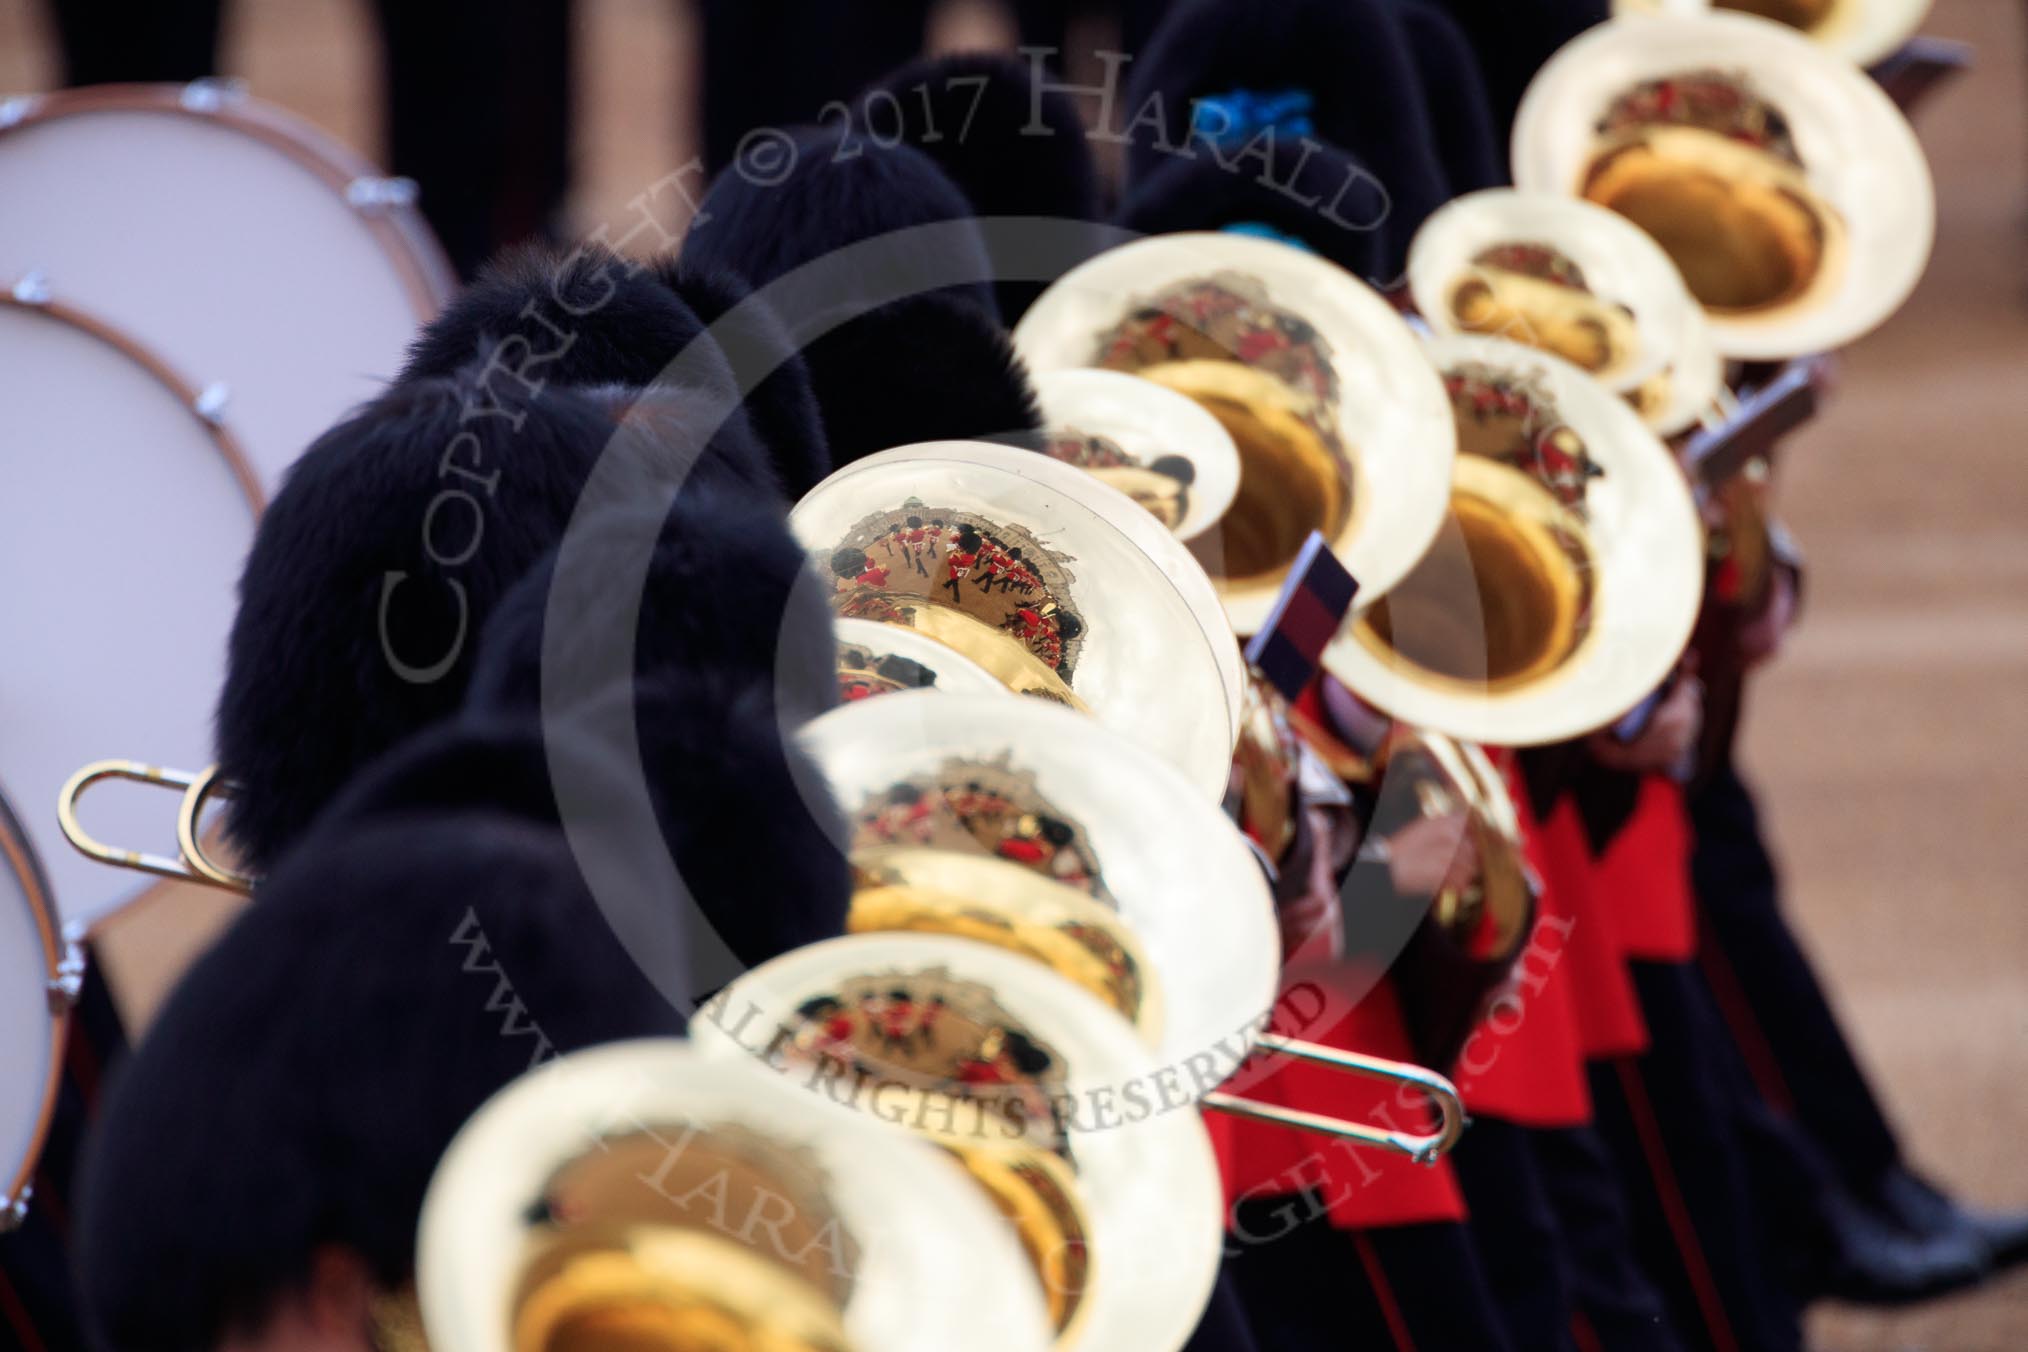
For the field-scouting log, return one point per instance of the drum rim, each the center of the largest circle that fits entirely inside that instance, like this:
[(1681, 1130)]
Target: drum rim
[(17, 853), (187, 393), (222, 440), (401, 231)]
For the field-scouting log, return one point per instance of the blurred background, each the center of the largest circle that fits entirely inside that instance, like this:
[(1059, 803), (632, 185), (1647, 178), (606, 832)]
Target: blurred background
[(1891, 737)]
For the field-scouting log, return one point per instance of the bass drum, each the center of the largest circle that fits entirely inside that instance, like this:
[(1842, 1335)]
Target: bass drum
[(125, 517), (32, 1022), (272, 265)]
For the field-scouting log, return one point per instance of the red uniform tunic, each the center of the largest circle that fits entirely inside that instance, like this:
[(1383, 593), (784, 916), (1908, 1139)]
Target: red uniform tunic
[(1646, 869), (1608, 1010), (1524, 1063), (1363, 1188)]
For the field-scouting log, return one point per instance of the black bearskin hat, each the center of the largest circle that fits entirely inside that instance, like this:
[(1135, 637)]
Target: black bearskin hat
[(299, 1086), (1015, 146), (371, 573)]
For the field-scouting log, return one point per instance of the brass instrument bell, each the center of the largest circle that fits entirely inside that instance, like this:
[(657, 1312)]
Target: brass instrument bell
[(1569, 579), (1089, 1144), (643, 1195), (1314, 375), (1576, 280), (1182, 908), (1158, 447), (1786, 186), (1861, 31), (1040, 574)]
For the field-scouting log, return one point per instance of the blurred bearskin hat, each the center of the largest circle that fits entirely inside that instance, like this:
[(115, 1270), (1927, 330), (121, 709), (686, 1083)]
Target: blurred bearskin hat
[(779, 402), (902, 335), (1473, 151), (296, 1091), (1015, 146), (1310, 195), (1224, 80), (370, 575)]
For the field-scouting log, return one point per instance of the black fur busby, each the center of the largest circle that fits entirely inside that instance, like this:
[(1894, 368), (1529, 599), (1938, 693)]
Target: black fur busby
[(895, 353), (588, 317), (1350, 57), (1015, 145), (837, 190), (579, 317), (370, 576), (726, 595), (733, 652), (1473, 153), (780, 404), (731, 803), (1512, 40), (928, 369), (298, 1088), (1314, 195)]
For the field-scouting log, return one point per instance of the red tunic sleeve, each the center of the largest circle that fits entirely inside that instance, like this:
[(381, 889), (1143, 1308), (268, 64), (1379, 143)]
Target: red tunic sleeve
[(1524, 1062), (1647, 866), (1608, 1010)]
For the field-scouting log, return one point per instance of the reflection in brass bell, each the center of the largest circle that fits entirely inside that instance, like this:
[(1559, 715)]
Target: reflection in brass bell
[(1740, 219), (1783, 182), (1002, 1061), (1001, 903), (1567, 583), (1039, 575), (640, 1197), (1314, 376)]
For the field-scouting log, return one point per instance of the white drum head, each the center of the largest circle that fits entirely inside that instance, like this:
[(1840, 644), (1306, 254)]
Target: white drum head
[(124, 522), (31, 1035), (221, 238)]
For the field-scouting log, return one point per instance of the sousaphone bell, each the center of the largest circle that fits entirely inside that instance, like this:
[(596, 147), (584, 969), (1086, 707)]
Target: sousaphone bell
[(1790, 192), (1339, 426), (1567, 584), (1574, 279), (1017, 825), (1060, 587), (1061, 1115), (1861, 31), (643, 1195), (1156, 446)]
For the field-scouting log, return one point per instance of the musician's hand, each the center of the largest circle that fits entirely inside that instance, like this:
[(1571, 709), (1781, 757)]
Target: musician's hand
[(1667, 741), (1312, 923), (1761, 637), (1432, 855)]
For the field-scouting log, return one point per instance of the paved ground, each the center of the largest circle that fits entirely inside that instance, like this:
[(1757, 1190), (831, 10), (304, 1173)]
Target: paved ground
[(1889, 740)]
